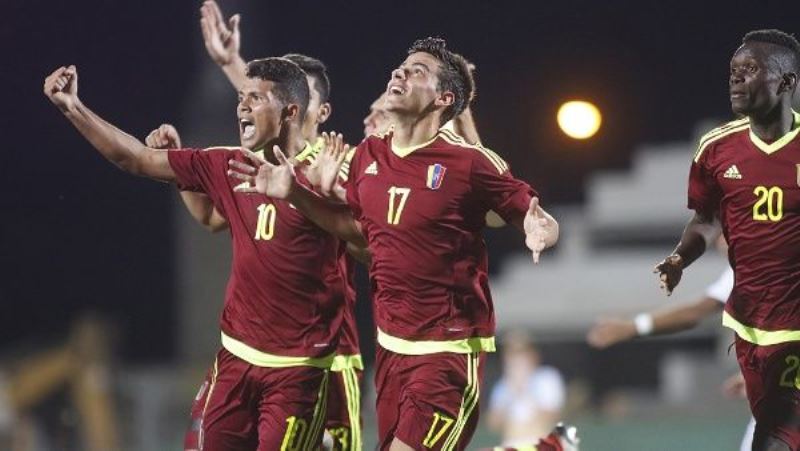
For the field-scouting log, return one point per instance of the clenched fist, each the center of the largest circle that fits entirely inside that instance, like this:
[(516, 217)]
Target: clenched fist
[(164, 137), (61, 87)]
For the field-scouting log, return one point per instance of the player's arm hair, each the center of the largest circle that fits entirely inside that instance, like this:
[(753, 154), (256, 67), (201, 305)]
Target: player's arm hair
[(701, 231), (236, 71), (361, 254), (336, 219), (118, 147), (202, 210), (464, 126), (684, 317)]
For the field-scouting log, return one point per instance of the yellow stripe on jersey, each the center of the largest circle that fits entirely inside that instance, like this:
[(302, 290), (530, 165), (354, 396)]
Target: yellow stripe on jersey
[(462, 346), (714, 136), (258, 358), (344, 171), (457, 140), (468, 402), (342, 362), (759, 336), (310, 151)]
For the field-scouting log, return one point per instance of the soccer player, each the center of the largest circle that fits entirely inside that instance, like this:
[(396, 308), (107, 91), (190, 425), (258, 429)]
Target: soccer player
[(419, 196), (745, 175), (280, 323)]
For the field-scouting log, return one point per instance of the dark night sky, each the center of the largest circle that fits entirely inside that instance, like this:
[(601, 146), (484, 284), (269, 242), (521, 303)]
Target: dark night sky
[(76, 233)]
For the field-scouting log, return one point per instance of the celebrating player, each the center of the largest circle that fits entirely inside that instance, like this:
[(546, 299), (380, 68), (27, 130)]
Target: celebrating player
[(280, 322), (745, 174), (419, 196)]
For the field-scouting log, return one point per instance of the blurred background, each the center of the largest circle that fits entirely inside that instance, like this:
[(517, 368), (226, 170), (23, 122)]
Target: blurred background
[(110, 293)]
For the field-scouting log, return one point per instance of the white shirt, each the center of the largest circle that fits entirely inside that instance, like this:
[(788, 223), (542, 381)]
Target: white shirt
[(545, 391), (722, 287)]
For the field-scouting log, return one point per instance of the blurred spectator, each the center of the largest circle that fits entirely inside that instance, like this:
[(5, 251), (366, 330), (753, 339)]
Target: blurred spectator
[(527, 401)]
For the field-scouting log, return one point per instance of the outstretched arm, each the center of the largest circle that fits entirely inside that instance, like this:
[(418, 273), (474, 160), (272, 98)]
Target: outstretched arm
[(199, 204), (223, 41), (701, 231), (610, 331), (118, 147), (279, 182)]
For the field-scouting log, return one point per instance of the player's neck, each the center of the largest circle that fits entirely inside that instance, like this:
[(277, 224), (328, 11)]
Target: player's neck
[(773, 125), (410, 132)]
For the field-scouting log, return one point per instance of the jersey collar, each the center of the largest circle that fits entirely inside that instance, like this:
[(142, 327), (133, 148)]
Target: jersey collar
[(781, 142)]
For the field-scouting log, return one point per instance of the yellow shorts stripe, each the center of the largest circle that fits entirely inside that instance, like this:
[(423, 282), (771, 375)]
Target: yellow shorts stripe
[(353, 395), (468, 402), (320, 411)]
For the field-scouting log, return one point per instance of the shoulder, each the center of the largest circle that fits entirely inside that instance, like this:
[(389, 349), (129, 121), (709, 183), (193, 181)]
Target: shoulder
[(480, 155), (721, 134)]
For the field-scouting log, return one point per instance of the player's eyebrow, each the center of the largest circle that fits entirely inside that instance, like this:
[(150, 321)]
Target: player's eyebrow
[(423, 66)]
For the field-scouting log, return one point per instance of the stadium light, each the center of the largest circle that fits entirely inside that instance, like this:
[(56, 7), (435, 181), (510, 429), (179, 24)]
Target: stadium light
[(579, 119)]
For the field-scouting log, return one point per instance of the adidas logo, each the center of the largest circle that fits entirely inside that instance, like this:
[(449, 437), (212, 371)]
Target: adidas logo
[(732, 173), (372, 169)]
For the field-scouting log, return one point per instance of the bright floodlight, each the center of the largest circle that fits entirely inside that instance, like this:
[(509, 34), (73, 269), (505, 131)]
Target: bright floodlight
[(579, 119)]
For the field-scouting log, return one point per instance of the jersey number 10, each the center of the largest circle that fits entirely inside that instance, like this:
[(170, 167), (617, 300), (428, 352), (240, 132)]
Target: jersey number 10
[(265, 225), (769, 206)]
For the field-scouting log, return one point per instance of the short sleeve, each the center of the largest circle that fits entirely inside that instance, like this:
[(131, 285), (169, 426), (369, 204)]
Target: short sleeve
[(498, 189), (203, 171), (704, 192), (548, 389), (351, 169), (722, 287)]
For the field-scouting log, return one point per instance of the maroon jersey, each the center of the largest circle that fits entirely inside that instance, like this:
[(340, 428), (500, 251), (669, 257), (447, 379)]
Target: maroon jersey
[(277, 303), (755, 189), (422, 210)]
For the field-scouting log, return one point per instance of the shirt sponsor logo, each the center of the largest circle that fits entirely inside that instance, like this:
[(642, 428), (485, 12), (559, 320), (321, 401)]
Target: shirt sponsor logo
[(435, 176), (372, 169), (732, 173)]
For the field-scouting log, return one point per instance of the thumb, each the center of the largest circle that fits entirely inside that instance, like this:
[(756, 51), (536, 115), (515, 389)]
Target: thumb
[(282, 160), (533, 205), (72, 72), (233, 22)]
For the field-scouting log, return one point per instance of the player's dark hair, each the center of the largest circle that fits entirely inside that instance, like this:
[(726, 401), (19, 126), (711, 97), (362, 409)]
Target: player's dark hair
[(787, 42), (289, 80), (315, 69), (454, 74)]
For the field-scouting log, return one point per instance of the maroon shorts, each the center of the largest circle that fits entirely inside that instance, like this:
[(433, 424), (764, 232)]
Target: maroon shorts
[(428, 401), (246, 407), (772, 379), (343, 421)]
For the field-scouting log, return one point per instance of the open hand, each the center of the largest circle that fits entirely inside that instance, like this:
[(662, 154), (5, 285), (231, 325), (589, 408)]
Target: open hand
[(275, 180), (222, 40), (537, 229), (324, 171)]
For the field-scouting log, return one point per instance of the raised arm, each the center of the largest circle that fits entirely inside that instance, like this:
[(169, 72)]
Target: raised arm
[(118, 147), (222, 41), (199, 204), (701, 230)]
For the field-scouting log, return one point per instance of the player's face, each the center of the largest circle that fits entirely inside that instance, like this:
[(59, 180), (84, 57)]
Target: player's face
[(259, 113), (754, 81), (316, 113), (377, 121), (412, 89)]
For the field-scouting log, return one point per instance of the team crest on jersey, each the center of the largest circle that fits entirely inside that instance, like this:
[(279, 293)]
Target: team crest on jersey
[(435, 176)]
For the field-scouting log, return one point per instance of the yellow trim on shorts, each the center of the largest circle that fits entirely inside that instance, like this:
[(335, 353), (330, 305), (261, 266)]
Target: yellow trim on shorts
[(343, 362), (462, 346), (759, 336), (320, 413), (258, 358), (468, 402), (353, 395), (205, 405)]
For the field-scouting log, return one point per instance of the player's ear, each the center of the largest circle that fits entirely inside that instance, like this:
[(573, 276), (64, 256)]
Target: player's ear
[(788, 82), (445, 99), (291, 112), (325, 111)]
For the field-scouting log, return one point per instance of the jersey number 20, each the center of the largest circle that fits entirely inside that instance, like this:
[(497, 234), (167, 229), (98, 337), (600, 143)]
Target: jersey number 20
[(769, 206)]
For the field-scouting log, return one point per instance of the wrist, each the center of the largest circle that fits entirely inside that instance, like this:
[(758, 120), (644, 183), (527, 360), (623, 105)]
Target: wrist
[(643, 323), (676, 260)]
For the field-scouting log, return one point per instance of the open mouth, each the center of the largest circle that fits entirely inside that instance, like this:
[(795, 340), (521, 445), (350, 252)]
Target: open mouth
[(247, 128), (396, 90)]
